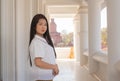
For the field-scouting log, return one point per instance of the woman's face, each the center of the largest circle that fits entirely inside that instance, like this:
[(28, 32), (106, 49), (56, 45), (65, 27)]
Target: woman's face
[(41, 27)]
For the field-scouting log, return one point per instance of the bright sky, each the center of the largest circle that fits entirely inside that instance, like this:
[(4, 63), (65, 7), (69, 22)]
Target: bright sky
[(67, 23), (104, 18), (64, 24)]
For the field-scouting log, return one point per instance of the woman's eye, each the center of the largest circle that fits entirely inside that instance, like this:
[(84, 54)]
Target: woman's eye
[(45, 24), (40, 23)]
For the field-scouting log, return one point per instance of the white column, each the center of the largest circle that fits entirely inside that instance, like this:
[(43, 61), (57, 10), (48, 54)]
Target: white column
[(22, 38), (0, 46), (34, 7), (113, 13), (28, 19), (38, 6), (77, 37), (8, 40), (31, 9), (94, 32), (41, 6), (83, 10)]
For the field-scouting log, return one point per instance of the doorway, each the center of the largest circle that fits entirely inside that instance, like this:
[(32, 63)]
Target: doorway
[(61, 31)]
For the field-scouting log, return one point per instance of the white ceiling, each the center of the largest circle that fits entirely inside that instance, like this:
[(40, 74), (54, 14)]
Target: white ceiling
[(65, 8), (62, 8), (63, 2)]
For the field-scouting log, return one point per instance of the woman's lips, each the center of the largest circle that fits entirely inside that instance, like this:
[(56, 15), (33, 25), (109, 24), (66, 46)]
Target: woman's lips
[(43, 30)]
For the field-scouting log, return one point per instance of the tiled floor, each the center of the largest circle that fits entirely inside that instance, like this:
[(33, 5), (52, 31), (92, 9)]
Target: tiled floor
[(67, 71), (71, 71)]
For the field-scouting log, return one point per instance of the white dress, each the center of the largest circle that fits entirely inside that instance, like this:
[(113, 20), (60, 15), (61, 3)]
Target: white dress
[(40, 48)]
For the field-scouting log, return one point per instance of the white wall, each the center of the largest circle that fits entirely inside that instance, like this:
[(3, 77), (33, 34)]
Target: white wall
[(15, 22), (23, 16), (0, 41), (8, 40)]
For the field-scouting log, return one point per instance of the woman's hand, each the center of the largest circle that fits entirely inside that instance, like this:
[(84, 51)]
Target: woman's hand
[(55, 70), (45, 65)]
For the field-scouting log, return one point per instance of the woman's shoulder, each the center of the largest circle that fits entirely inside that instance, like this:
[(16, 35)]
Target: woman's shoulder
[(35, 41), (38, 41)]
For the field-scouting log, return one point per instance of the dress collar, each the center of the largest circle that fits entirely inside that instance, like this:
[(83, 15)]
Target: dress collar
[(41, 38)]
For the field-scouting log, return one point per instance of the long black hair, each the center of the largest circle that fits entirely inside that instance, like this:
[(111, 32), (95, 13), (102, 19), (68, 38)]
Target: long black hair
[(46, 35)]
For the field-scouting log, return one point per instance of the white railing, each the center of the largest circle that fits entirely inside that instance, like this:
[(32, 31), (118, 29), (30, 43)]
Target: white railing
[(62, 52), (101, 57)]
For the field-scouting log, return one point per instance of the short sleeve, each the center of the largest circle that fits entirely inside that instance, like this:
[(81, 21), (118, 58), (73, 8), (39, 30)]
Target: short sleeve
[(39, 49)]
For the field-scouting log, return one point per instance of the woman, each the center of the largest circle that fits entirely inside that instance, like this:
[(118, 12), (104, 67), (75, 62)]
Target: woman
[(42, 52)]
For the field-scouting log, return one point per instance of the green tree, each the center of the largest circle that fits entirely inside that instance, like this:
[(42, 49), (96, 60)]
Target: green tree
[(104, 37), (67, 38)]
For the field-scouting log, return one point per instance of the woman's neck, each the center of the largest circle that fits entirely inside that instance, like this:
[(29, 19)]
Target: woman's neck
[(39, 34)]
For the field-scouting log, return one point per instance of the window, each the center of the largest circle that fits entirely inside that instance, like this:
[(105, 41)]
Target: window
[(104, 29)]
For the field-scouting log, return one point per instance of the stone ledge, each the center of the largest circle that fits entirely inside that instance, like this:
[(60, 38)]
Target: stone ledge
[(101, 57), (117, 65)]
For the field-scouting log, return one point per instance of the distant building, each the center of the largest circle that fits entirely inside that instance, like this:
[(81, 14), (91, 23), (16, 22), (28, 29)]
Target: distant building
[(56, 38)]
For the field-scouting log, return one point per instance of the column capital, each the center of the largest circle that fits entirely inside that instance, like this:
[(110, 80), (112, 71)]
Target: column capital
[(77, 17), (41, 4), (83, 7), (97, 1)]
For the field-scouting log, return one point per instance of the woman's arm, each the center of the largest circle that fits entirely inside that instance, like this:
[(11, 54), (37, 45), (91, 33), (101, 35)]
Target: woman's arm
[(39, 63)]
